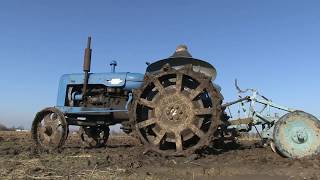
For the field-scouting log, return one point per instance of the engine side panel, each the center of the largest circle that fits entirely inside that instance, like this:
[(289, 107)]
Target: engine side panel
[(125, 81)]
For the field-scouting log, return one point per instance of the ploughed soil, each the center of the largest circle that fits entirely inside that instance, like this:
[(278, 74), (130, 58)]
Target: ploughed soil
[(124, 159)]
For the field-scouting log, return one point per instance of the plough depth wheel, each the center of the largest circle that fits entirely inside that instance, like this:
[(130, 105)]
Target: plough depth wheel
[(297, 134), (49, 129), (176, 111)]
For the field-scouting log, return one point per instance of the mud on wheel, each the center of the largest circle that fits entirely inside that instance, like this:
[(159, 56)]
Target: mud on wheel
[(49, 129), (94, 136), (176, 112)]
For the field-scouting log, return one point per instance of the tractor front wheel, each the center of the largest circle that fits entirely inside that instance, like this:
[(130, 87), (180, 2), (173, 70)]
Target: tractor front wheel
[(49, 129)]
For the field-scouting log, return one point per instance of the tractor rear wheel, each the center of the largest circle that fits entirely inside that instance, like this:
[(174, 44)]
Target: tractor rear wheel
[(176, 112)]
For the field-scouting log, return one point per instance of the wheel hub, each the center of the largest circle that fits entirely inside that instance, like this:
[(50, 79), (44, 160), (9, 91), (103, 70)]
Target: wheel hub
[(300, 136), (174, 111), (48, 130)]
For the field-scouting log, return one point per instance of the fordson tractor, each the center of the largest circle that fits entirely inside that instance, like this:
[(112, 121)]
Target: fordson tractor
[(174, 108)]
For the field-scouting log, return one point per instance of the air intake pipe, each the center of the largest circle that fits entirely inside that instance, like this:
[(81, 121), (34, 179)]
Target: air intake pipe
[(113, 65)]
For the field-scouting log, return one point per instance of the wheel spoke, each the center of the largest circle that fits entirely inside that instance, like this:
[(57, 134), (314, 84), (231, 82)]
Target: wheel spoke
[(196, 131), (195, 92), (146, 123), (56, 137), (179, 82), (159, 137), (158, 85), (42, 130), (53, 116), (55, 124), (203, 111), (147, 103), (178, 142), (47, 119), (46, 138)]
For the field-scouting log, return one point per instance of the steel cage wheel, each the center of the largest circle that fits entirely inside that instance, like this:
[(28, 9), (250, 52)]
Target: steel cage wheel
[(94, 136), (176, 112), (49, 129), (296, 135)]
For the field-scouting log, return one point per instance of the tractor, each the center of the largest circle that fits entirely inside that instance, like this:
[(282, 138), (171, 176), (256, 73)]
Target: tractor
[(174, 108)]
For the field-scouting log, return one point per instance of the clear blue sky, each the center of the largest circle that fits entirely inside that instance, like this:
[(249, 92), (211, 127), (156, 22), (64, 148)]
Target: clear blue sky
[(273, 45)]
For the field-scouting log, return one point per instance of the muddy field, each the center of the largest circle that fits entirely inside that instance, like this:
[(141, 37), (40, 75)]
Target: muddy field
[(124, 159)]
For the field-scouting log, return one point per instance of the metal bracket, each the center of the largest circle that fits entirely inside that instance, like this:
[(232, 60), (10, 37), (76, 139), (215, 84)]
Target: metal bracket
[(129, 101)]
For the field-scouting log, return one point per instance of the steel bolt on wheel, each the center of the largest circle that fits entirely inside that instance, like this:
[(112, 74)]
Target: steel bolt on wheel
[(176, 112), (49, 129), (297, 134)]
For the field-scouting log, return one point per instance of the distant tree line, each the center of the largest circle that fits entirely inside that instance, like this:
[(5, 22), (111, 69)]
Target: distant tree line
[(13, 128)]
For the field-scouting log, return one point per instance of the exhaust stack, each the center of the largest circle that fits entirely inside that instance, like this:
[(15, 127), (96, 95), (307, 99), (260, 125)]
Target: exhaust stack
[(86, 66)]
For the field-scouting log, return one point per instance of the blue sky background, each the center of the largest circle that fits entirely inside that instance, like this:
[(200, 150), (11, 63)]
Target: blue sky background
[(273, 45)]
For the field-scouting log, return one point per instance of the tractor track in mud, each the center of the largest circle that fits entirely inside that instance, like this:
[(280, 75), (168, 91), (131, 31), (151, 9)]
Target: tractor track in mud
[(124, 159)]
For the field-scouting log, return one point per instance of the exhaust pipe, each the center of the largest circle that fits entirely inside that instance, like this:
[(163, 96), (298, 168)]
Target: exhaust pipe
[(86, 66)]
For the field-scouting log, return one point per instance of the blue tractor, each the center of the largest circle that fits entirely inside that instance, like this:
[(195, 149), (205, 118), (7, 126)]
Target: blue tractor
[(174, 109)]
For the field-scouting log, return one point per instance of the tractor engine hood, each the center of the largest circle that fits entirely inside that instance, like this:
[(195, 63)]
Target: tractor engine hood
[(119, 79)]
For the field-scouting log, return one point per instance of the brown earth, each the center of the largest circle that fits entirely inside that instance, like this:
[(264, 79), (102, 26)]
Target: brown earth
[(124, 159)]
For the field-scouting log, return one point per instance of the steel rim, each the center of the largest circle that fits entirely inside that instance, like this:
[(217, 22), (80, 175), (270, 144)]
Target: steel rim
[(296, 135), (49, 129), (176, 112)]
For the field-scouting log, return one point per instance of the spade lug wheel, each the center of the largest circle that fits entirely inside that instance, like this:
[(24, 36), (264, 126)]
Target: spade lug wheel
[(94, 136), (176, 112)]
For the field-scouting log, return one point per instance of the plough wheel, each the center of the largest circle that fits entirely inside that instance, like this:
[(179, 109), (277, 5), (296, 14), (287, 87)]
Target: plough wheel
[(176, 111), (297, 134), (94, 136), (49, 129)]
